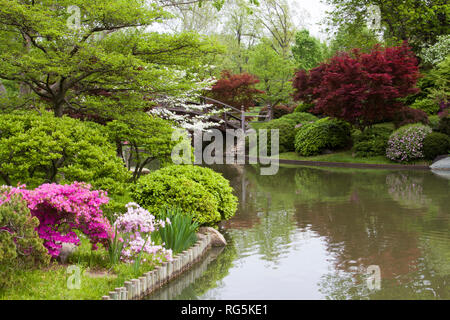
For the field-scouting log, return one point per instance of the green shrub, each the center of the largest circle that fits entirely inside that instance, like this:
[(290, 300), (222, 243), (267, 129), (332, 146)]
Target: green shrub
[(199, 191), (435, 144), (444, 126), (434, 122), (371, 142), (179, 234), (20, 245), (429, 106), (38, 149), (287, 129), (313, 138), (303, 107), (278, 111)]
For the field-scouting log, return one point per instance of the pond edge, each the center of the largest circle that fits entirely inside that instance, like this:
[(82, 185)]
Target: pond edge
[(136, 289), (347, 164)]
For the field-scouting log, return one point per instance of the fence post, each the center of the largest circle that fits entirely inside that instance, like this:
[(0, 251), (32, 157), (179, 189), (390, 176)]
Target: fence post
[(243, 119)]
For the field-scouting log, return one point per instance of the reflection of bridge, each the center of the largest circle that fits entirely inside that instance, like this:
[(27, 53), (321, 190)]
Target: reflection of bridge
[(228, 116)]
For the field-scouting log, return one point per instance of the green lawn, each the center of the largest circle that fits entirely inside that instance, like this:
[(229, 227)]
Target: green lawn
[(97, 279), (344, 156)]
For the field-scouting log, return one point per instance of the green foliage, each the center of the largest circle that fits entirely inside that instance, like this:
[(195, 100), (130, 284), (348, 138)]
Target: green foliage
[(436, 53), (444, 126), (195, 190), (418, 22), (41, 148), (371, 142), (303, 107), (351, 36), (20, 245), (434, 122), (274, 72), (102, 67), (141, 138), (307, 50), (179, 234), (436, 144), (440, 76), (430, 106), (313, 138), (286, 126)]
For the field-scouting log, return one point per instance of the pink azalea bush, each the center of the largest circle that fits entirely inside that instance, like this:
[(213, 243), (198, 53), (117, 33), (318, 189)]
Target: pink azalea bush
[(406, 143), (62, 208), (135, 227)]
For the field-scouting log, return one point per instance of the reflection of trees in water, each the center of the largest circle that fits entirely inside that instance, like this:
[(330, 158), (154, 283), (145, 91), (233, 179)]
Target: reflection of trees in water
[(407, 190), (367, 217), (203, 277)]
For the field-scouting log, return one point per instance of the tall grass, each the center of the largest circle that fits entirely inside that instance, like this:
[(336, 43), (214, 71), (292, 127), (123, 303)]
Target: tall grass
[(179, 234)]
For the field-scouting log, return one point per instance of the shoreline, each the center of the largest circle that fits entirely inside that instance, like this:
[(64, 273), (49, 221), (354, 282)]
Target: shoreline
[(347, 164)]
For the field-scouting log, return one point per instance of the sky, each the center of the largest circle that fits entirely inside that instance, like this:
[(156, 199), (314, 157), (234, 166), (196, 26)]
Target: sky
[(315, 12)]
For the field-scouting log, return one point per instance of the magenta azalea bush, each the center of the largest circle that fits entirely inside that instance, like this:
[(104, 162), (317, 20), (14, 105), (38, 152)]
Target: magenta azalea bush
[(63, 208), (406, 143), (135, 228)]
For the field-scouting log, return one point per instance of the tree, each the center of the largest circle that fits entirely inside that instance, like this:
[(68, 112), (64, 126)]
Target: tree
[(104, 65), (307, 50), (236, 90), (362, 89), (274, 72), (276, 17), (144, 138), (418, 22), (355, 35)]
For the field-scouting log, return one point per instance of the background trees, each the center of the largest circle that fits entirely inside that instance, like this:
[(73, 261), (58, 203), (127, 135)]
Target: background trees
[(362, 89), (105, 65)]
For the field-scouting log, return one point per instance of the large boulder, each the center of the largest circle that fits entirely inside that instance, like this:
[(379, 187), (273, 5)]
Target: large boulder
[(217, 239), (442, 164)]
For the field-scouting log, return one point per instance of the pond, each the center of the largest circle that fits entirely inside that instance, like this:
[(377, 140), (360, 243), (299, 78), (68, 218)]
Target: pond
[(316, 233)]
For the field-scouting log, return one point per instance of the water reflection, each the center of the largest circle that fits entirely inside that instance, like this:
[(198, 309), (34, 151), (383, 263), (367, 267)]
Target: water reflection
[(311, 233)]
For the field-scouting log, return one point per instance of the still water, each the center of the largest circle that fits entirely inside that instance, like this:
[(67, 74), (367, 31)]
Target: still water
[(312, 233)]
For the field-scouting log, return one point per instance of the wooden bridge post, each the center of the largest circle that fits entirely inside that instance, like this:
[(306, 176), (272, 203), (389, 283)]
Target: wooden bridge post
[(243, 119)]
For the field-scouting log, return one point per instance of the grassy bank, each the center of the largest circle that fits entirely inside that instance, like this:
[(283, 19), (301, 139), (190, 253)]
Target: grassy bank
[(346, 157), (97, 278)]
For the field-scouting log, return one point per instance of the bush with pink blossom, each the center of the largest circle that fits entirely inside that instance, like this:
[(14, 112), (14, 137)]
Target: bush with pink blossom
[(135, 228), (61, 209), (406, 143)]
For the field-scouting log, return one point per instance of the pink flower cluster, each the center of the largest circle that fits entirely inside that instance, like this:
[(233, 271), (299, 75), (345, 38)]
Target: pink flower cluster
[(62, 208), (407, 143), (138, 224)]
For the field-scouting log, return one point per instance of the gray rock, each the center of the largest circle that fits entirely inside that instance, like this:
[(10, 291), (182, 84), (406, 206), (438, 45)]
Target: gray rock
[(443, 164), (217, 239), (66, 251)]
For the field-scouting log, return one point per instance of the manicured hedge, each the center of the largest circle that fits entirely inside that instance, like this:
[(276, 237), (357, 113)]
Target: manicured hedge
[(199, 191), (371, 142), (313, 138), (36, 149), (436, 144), (287, 129)]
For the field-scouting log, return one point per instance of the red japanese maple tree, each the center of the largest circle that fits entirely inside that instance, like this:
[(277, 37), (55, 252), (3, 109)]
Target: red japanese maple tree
[(361, 88), (236, 89)]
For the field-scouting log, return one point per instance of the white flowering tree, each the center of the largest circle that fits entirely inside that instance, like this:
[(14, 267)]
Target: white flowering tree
[(187, 108)]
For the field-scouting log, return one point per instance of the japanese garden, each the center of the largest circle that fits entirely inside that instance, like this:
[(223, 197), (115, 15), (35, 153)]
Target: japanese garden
[(349, 99)]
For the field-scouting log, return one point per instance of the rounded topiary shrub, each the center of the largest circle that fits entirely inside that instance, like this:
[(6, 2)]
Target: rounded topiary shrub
[(199, 191), (371, 142), (286, 127), (38, 149), (406, 143), (444, 126), (313, 138), (436, 144)]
